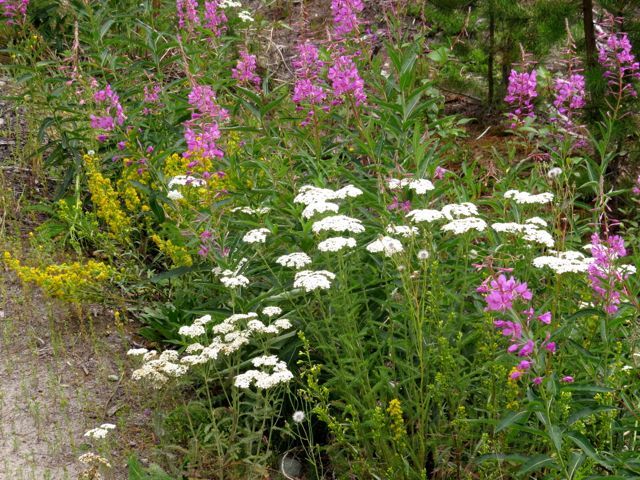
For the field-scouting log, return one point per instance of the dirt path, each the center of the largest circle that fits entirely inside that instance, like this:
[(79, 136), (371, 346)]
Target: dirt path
[(59, 378)]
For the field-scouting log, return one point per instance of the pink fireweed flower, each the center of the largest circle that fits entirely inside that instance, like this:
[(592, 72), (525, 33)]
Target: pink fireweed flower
[(537, 380), (345, 79), (202, 130), (152, 93), (245, 70), (551, 347), (214, 18), (307, 89), (345, 16), (440, 173), (567, 379), (636, 187), (545, 318), (527, 349), (502, 292), (614, 54), (114, 112), (520, 94), (398, 205), (15, 11), (509, 329), (203, 100), (605, 276), (569, 94), (187, 11)]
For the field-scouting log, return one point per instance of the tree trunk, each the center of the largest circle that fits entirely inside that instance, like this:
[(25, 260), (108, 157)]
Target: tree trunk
[(490, 60), (589, 32)]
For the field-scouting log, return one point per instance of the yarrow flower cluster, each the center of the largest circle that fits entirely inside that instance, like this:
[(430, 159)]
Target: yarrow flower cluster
[(387, 245), (564, 262), (230, 337), (100, 432), (338, 223), (263, 380), (257, 235), (464, 225), (245, 70), (310, 280), (530, 231), (345, 16), (520, 95), (335, 244), (294, 260), (526, 198), (418, 185)]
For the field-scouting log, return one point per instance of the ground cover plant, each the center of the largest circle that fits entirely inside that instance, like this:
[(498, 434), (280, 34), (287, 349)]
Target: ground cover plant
[(331, 271)]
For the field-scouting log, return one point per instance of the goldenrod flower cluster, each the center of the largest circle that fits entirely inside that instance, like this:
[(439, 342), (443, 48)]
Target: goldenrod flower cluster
[(72, 282), (105, 200), (179, 255), (397, 421)]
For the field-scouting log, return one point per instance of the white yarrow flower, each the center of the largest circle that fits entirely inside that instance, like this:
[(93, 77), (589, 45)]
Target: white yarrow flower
[(463, 225), (294, 260), (186, 180), (319, 207), (421, 186), (191, 330), (245, 16), (458, 210), (526, 198), (348, 191), (271, 311), (388, 245), (137, 352), (424, 215), (310, 280), (234, 281), (402, 230), (257, 235), (338, 223), (174, 195), (335, 244)]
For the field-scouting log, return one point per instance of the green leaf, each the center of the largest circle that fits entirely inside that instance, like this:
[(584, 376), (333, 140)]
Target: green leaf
[(510, 419), (536, 463)]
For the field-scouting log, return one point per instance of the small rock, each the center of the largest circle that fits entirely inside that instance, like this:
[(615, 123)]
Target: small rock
[(113, 378)]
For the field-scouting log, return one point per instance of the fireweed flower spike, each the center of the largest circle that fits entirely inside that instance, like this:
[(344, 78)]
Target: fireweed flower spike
[(500, 295), (520, 94), (214, 18), (614, 54), (15, 11), (345, 80), (187, 11), (245, 70), (605, 276), (345, 16), (114, 113), (307, 89)]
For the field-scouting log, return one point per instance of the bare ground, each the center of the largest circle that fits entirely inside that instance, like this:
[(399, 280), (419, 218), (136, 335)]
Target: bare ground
[(60, 376)]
